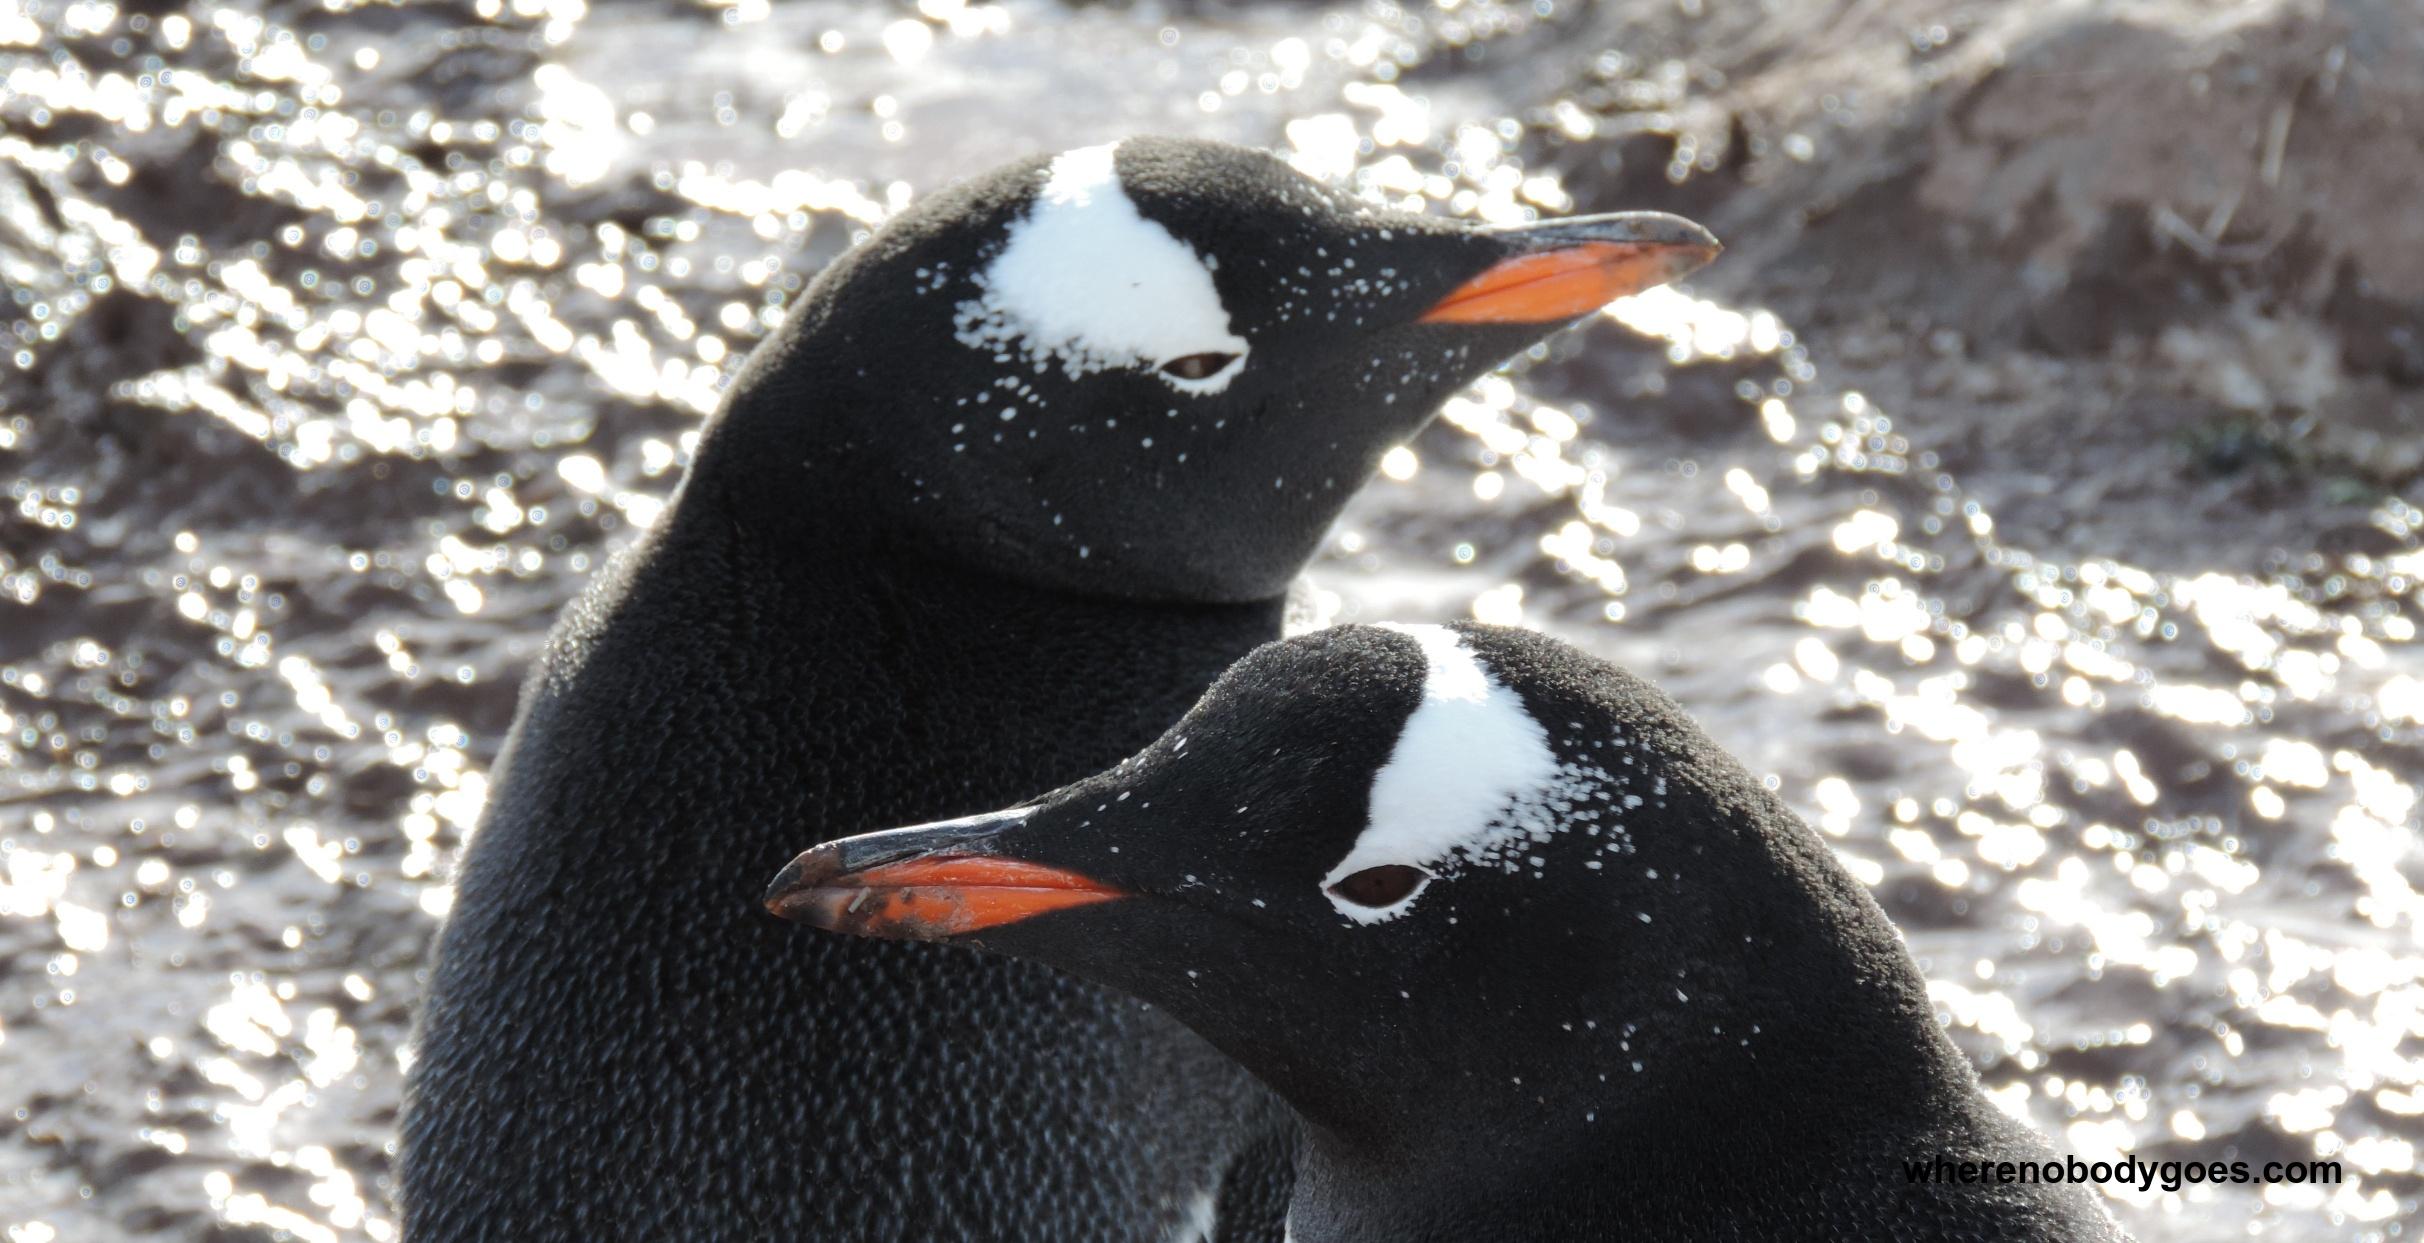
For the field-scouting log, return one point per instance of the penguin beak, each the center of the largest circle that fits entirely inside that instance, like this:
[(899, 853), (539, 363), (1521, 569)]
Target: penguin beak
[(931, 882), (1562, 269)]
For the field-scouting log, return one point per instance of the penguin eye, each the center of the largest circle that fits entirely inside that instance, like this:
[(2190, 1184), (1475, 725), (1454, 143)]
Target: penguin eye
[(1386, 885), (1198, 366)]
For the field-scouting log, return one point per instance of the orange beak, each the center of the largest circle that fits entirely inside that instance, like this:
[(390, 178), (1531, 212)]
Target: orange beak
[(885, 885), (1570, 268)]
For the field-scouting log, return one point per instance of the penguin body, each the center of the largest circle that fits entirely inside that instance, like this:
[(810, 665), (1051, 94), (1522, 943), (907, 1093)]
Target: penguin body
[(1017, 478), (1529, 956)]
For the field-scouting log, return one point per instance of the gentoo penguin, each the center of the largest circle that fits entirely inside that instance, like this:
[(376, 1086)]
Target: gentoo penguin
[(1017, 478), (1530, 956)]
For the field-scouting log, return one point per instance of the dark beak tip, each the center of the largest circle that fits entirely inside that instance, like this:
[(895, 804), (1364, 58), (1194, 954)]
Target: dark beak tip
[(1653, 228), (1689, 245), (1692, 258), (1671, 230), (795, 876), (1683, 246)]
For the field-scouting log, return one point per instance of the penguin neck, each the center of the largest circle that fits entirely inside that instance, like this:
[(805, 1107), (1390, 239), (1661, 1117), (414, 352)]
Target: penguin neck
[(939, 608), (1637, 1127), (1661, 1170), (743, 638), (806, 454)]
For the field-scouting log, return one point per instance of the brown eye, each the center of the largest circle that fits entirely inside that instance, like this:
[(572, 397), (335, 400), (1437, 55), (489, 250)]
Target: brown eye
[(1197, 366), (1386, 885)]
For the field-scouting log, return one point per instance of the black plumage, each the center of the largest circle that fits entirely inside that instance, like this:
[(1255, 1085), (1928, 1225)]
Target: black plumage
[(1639, 1000), (911, 573)]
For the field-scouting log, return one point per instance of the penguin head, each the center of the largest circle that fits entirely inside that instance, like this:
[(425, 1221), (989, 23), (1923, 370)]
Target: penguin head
[(1155, 368), (1375, 861)]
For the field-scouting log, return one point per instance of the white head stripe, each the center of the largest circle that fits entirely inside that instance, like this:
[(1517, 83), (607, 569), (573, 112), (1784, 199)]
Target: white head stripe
[(1201, 1222), (1466, 757), (1087, 281)]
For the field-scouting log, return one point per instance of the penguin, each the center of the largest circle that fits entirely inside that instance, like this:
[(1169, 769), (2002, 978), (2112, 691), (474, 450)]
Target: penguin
[(1016, 479), (1528, 954)]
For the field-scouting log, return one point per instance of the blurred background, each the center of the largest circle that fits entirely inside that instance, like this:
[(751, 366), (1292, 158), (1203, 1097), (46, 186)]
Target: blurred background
[(2031, 490)]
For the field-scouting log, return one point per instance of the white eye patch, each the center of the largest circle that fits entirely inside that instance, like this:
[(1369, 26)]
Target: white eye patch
[(1468, 755), (1087, 282)]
